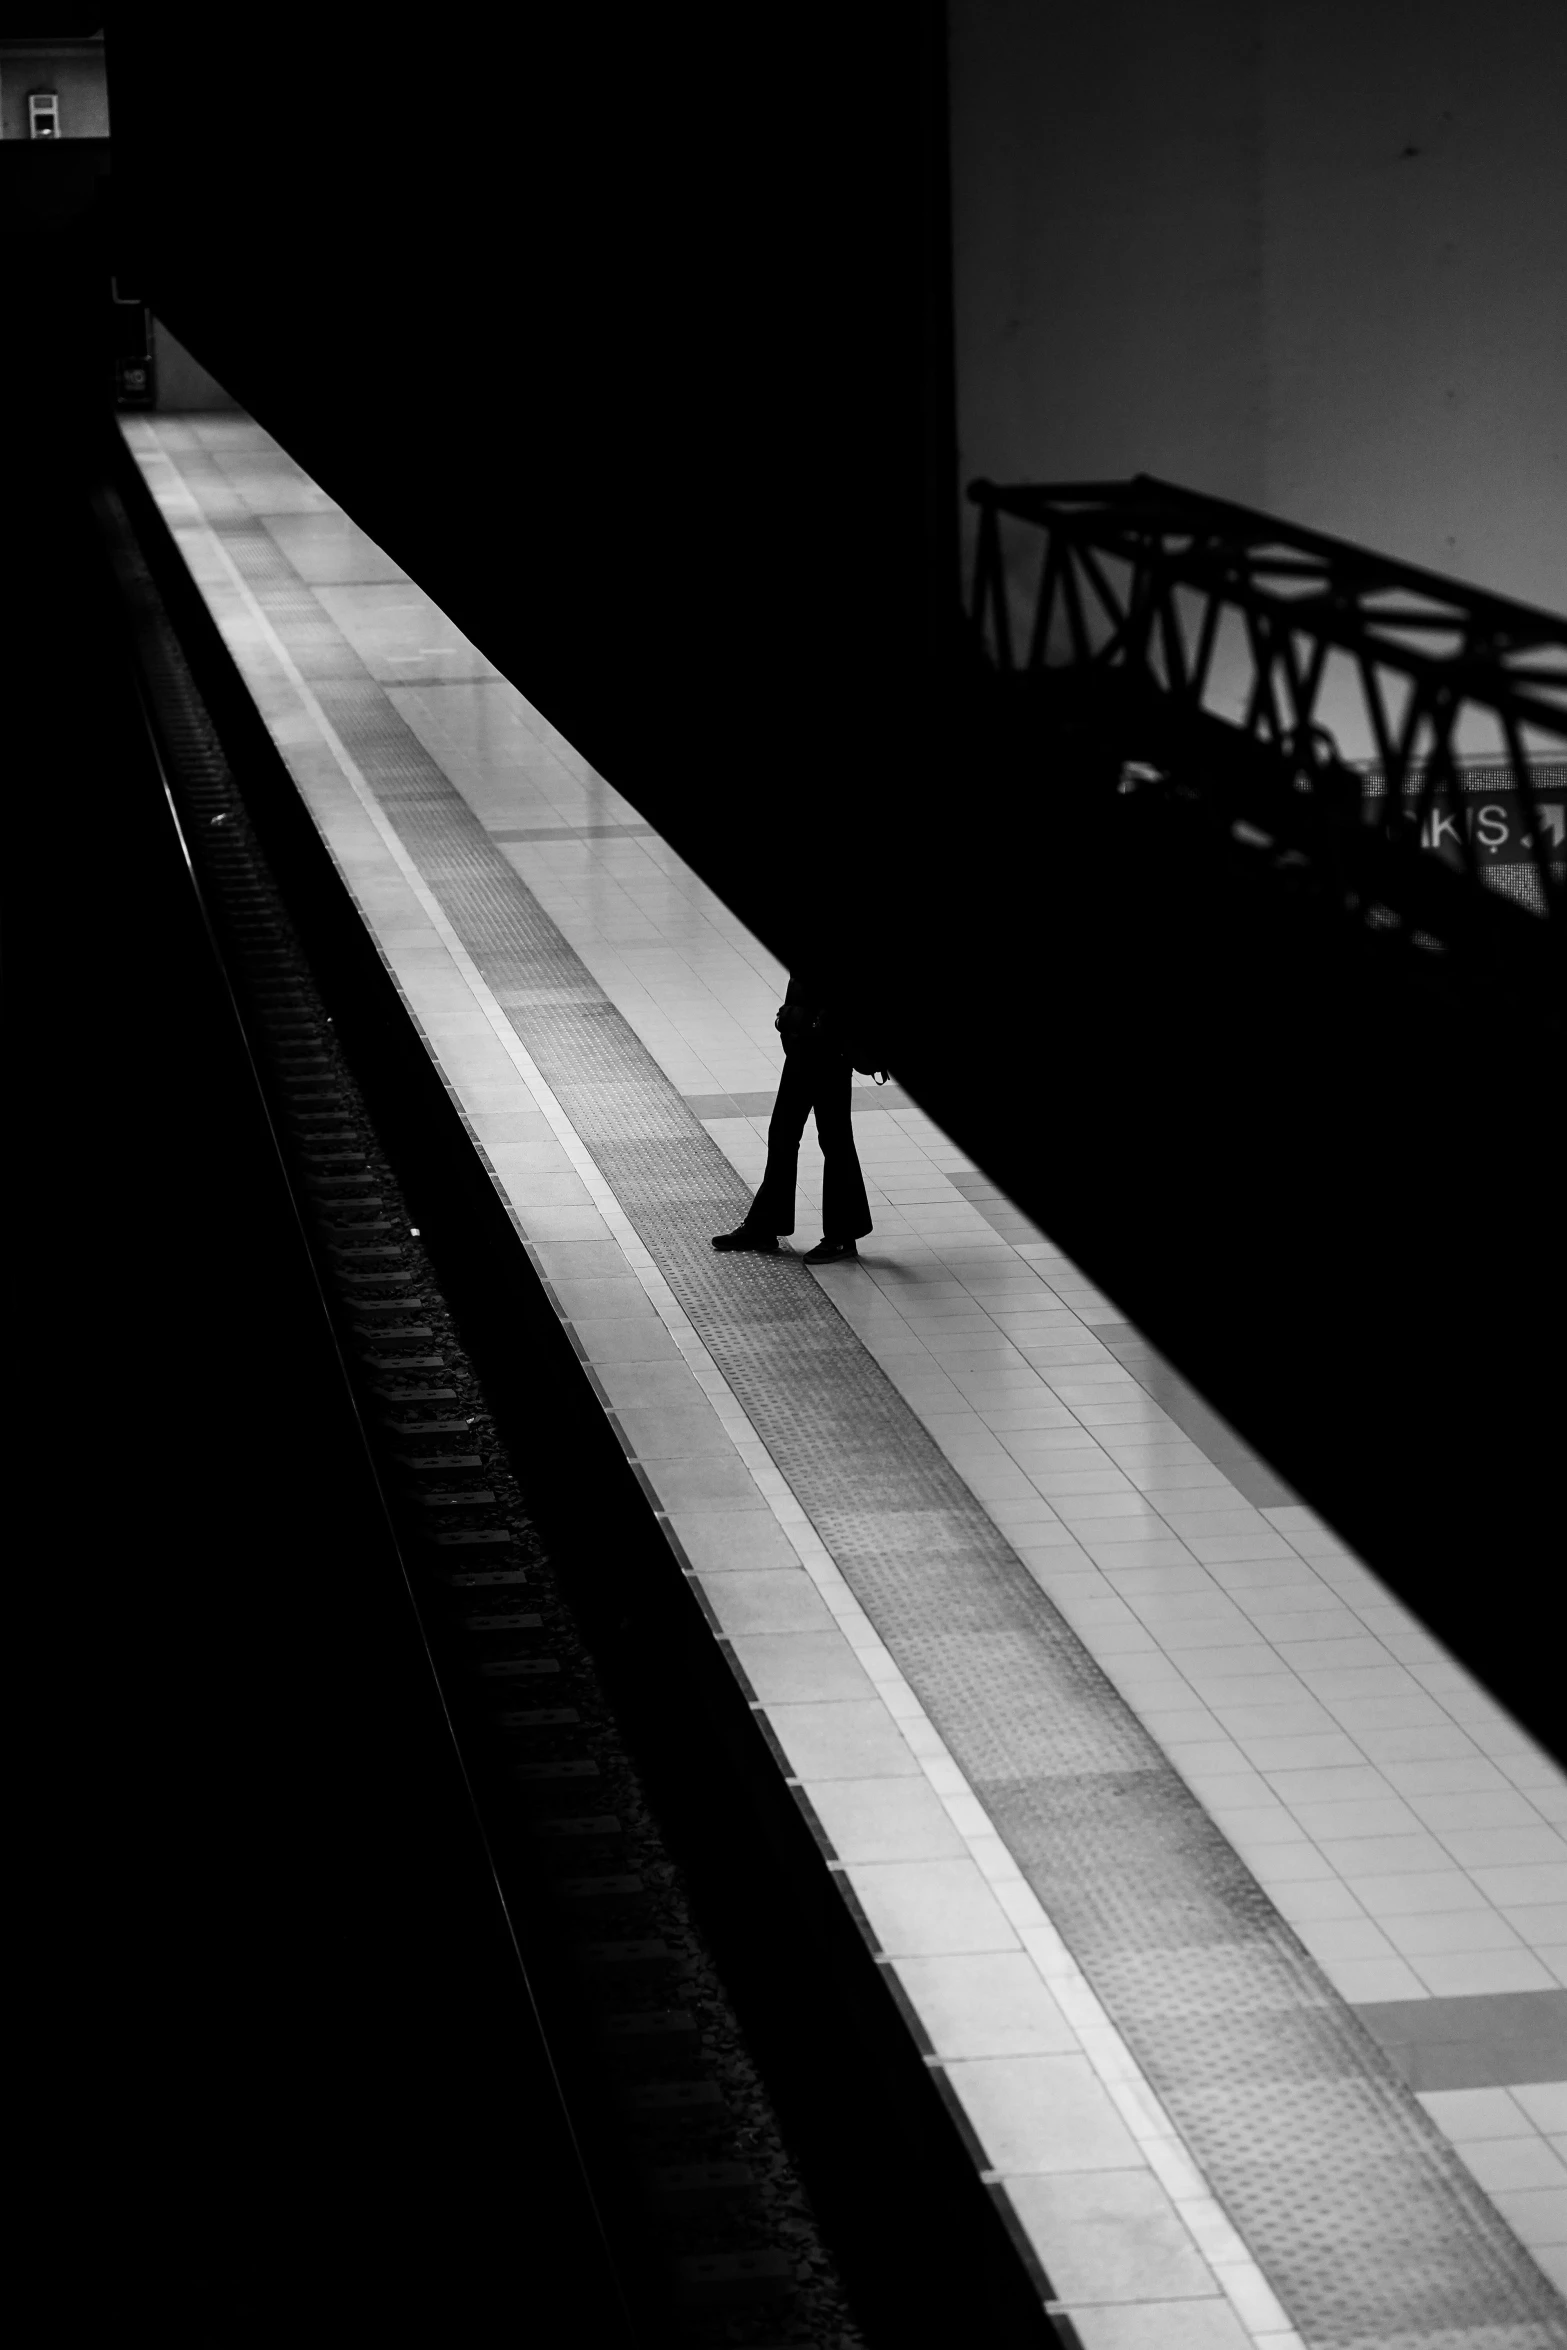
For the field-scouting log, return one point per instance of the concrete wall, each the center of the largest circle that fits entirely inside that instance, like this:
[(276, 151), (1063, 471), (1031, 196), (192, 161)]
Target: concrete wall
[(75, 72), (1304, 253)]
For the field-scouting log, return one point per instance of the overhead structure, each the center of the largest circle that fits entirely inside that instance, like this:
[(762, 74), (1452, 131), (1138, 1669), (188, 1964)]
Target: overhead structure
[(1336, 704)]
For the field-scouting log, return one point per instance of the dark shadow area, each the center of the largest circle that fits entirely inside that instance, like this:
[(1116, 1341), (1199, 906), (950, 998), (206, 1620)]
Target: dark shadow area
[(640, 365), (286, 2070), (642, 368)]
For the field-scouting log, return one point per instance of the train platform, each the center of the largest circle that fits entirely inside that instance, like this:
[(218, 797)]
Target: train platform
[(1228, 1910)]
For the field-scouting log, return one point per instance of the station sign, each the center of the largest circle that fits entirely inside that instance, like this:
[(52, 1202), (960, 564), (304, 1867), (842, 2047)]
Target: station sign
[(1497, 825)]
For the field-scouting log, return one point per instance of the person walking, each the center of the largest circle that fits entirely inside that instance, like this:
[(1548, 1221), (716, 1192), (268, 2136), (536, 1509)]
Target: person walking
[(817, 1075)]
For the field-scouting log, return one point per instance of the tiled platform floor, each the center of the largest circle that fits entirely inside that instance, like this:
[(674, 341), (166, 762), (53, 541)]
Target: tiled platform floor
[(1408, 1832)]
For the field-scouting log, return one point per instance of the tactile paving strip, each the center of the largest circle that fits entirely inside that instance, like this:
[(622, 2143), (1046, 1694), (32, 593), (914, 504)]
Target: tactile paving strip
[(1365, 2222)]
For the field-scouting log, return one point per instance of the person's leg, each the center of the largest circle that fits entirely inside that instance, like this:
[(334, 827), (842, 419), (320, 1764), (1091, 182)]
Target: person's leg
[(846, 1212), (772, 1210)]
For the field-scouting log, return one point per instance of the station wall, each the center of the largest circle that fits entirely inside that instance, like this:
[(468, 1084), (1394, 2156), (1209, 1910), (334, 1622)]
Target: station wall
[(1306, 254), (74, 70)]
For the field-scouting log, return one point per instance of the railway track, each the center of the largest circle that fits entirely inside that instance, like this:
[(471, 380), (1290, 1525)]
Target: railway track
[(710, 2225)]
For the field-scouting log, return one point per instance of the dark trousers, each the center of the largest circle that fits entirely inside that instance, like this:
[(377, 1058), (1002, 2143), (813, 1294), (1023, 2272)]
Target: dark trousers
[(813, 1080)]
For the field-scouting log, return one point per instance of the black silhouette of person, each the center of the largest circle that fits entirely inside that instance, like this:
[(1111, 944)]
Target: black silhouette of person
[(817, 1075)]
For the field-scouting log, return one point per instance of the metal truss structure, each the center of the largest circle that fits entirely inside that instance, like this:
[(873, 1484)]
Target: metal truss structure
[(1367, 692)]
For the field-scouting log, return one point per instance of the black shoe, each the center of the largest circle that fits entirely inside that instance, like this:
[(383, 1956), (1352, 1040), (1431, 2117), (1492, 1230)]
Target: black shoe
[(830, 1252), (764, 1243)]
